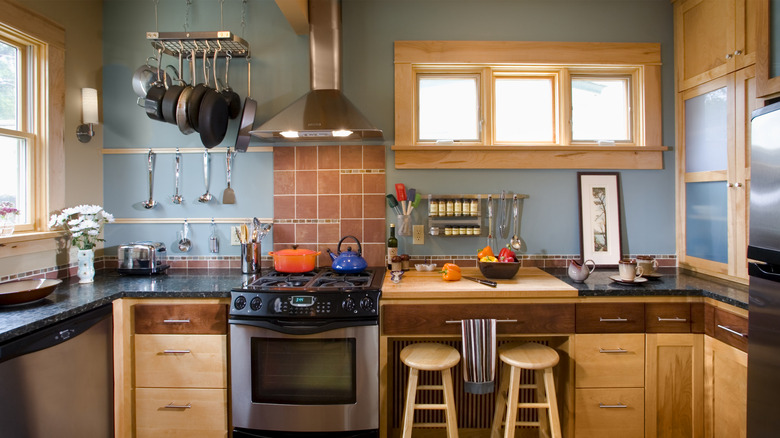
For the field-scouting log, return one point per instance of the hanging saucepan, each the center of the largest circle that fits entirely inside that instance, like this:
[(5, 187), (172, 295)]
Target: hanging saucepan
[(247, 113), (154, 97), (193, 106), (231, 97), (182, 116), (145, 76), (171, 98), (213, 115)]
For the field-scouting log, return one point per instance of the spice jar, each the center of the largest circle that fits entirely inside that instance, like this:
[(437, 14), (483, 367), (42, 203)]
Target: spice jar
[(433, 206), (442, 207), (474, 207), (448, 231), (405, 262), (396, 263), (450, 207), (457, 209)]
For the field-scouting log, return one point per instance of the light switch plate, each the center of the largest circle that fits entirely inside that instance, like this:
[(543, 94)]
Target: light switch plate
[(234, 236), (418, 233)]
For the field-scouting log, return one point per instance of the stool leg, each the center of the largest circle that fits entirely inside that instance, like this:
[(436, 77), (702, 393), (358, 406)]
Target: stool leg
[(411, 392), (500, 406), (549, 385), (449, 400), (544, 424), (511, 403)]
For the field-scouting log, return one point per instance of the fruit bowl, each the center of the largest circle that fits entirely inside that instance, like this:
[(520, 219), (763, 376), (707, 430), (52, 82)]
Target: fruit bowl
[(425, 267), (499, 270)]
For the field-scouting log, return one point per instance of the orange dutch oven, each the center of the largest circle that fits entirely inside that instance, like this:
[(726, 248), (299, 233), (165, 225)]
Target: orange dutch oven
[(294, 260)]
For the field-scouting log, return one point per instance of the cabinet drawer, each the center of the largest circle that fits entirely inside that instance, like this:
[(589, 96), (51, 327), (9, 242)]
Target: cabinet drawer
[(614, 360), (180, 319), (184, 413), (667, 318), (432, 319), (611, 412), (731, 329), (194, 361), (610, 318)]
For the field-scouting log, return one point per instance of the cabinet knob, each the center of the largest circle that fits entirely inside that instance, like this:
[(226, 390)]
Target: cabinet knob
[(737, 52), (730, 185), (729, 55), (737, 185)]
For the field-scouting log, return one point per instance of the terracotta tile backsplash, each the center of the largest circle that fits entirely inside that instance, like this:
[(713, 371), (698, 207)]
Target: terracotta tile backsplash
[(323, 193)]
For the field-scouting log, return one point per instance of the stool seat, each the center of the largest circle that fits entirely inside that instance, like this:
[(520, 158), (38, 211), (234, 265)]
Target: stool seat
[(429, 356), (530, 356)]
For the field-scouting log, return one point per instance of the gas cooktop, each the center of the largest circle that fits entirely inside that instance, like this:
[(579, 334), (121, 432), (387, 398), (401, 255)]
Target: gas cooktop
[(320, 280)]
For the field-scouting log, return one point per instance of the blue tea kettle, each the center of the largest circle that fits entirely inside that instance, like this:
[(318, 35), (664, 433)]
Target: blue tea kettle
[(348, 262)]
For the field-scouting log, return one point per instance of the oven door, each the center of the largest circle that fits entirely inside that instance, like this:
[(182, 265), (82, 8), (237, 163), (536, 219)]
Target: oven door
[(316, 382)]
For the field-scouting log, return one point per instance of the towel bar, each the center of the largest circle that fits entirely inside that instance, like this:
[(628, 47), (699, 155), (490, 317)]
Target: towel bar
[(498, 320)]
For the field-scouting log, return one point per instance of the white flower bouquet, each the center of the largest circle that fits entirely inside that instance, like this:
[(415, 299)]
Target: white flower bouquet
[(84, 224), (8, 210)]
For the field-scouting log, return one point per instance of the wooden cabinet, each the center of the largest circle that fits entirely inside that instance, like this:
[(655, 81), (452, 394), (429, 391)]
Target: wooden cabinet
[(713, 172), (674, 385), (713, 38), (768, 49), (171, 368), (725, 390), (610, 318)]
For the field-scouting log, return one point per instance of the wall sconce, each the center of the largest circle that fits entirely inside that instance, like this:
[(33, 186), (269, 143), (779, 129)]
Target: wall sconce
[(89, 114)]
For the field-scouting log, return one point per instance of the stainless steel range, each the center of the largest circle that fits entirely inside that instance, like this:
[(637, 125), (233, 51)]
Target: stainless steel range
[(304, 352)]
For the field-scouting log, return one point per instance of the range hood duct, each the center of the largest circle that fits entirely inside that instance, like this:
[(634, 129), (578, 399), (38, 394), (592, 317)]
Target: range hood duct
[(324, 114)]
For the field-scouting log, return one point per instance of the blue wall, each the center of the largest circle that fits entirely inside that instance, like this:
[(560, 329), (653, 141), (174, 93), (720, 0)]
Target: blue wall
[(280, 74)]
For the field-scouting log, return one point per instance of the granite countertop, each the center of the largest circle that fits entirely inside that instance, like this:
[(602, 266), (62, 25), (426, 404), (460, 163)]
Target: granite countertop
[(71, 298)]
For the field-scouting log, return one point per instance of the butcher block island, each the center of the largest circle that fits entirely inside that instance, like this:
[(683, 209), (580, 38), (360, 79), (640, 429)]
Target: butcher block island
[(529, 282)]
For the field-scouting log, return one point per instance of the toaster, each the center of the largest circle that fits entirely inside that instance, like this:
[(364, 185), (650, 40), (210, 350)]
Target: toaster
[(142, 258)]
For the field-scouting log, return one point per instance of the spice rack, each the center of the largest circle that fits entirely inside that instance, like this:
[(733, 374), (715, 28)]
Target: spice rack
[(457, 218)]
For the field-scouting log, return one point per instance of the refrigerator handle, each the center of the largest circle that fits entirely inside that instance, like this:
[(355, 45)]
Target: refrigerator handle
[(763, 270)]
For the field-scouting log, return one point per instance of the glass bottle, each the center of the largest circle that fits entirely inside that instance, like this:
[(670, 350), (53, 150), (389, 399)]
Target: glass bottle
[(392, 246)]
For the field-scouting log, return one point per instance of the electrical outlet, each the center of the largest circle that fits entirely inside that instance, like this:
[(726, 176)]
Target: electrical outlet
[(418, 231), (234, 236)]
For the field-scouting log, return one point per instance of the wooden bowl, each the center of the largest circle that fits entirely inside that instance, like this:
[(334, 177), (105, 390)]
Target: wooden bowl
[(499, 270), (26, 291)]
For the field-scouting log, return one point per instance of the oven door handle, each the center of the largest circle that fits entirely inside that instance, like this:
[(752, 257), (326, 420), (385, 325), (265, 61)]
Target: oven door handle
[(297, 327)]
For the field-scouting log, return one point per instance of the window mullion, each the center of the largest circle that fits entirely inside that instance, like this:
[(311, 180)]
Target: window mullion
[(564, 121), (487, 107)]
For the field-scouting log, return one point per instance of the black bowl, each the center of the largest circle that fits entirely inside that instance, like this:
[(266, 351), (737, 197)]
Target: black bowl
[(499, 270)]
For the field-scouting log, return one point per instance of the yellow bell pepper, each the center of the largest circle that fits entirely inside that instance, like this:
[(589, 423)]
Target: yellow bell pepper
[(488, 259)]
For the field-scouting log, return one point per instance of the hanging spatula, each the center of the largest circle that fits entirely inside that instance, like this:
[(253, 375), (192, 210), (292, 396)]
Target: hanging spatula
[(229, 196)]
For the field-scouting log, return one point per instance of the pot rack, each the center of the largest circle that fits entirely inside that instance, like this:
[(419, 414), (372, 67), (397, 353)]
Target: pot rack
[(172, 43)]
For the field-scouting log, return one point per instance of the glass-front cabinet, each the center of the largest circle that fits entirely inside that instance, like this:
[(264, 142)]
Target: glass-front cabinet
[(714, 174), (768, 52)]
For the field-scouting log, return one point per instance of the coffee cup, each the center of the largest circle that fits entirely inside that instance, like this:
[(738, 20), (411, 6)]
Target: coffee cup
[(647, 263), (629, 270)]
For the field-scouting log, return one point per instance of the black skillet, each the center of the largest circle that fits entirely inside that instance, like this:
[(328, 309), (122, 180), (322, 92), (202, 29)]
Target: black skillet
[(193, 105), (154, 97), (170, 100), (182, 117), (247, 114), (231, 97), (213, 115)]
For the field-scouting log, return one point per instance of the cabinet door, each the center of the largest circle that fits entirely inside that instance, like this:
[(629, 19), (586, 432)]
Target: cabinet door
[(768, 48), (674, 385), (725, 390)]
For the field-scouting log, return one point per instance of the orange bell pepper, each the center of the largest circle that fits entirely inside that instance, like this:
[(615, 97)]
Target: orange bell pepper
[(485, 252), (451, 272)]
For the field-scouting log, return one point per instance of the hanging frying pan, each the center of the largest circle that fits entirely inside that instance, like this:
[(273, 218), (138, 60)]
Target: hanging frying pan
[(153, 100), (193, 105), (231, 97), (247, 113), (182, 115), (213, 114), (171, 98)]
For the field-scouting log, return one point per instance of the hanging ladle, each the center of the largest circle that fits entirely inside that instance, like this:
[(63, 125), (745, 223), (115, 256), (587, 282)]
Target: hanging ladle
[(206, 197), (517, 243), (176, 196), (184, 242), (151, 203)]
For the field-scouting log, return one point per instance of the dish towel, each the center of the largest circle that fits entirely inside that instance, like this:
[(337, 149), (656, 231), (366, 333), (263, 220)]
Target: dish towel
[(479, 355)]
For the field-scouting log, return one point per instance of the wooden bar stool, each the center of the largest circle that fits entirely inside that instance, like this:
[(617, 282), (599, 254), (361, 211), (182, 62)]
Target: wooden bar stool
[(515, 358), (430, 357)]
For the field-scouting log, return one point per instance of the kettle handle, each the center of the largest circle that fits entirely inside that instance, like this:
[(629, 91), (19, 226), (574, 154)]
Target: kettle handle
[(360, 250)]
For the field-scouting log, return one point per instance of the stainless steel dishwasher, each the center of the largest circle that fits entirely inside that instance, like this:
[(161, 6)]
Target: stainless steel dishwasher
[(58, 381)]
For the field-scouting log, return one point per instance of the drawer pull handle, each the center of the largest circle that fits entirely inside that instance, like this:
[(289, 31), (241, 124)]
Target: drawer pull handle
[(732, 331), (615, 350), (617, 406), (675, 319), (498, 320), (176, 351), (173, 406), (176, 321), (618, 319)]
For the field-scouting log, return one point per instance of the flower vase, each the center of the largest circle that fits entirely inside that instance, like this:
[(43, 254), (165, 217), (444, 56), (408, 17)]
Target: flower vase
[(6, 227), (86, 272)]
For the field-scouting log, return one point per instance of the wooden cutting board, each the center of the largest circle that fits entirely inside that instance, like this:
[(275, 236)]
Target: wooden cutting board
[(528, 283)]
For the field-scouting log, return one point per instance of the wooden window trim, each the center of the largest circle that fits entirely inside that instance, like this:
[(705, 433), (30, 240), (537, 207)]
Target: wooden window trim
[(647, 154), (48, 172)]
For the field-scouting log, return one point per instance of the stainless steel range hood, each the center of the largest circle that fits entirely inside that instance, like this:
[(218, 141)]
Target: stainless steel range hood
[(324, 114)]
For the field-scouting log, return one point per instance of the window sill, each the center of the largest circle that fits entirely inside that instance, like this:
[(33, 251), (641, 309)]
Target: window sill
[(28, 242), (528, 157)]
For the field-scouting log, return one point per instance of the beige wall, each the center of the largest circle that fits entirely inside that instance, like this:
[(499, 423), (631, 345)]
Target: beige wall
[(83, 167)]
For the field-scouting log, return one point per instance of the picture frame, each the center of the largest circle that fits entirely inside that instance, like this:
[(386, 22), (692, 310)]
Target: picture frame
[(600, 228)]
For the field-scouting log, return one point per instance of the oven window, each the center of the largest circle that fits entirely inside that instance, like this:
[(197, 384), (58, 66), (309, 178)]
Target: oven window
[(303, 371)]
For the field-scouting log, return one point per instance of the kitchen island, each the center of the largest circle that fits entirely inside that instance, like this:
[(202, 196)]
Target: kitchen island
[(669, 329)]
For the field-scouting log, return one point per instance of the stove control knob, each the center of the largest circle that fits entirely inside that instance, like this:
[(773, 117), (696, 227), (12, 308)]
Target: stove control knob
[(240, 302), (256, 303), (366, 304), (348, 304)]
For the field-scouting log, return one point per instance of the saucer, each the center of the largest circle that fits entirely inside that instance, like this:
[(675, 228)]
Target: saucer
[(617, 279), (653, 276)]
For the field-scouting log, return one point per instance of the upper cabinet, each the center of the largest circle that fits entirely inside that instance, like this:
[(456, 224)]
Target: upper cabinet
[(713, 38), (768, 49)]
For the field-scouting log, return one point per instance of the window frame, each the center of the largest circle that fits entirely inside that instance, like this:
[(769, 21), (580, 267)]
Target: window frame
[(641, 60)]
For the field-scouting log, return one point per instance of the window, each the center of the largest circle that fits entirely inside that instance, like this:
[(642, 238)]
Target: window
[(32, 98), (462, 104)]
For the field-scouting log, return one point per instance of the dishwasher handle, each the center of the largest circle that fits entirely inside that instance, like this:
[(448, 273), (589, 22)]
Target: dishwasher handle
[(54, 334)]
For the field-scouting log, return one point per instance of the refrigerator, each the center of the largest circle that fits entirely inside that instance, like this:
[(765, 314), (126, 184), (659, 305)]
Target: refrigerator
[(763, 419)]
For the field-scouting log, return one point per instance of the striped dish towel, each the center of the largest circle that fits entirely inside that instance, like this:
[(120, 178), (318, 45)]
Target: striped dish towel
[(479, 355)]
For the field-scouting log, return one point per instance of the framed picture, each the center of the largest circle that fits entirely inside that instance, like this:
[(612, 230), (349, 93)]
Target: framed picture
[(599, 217)]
